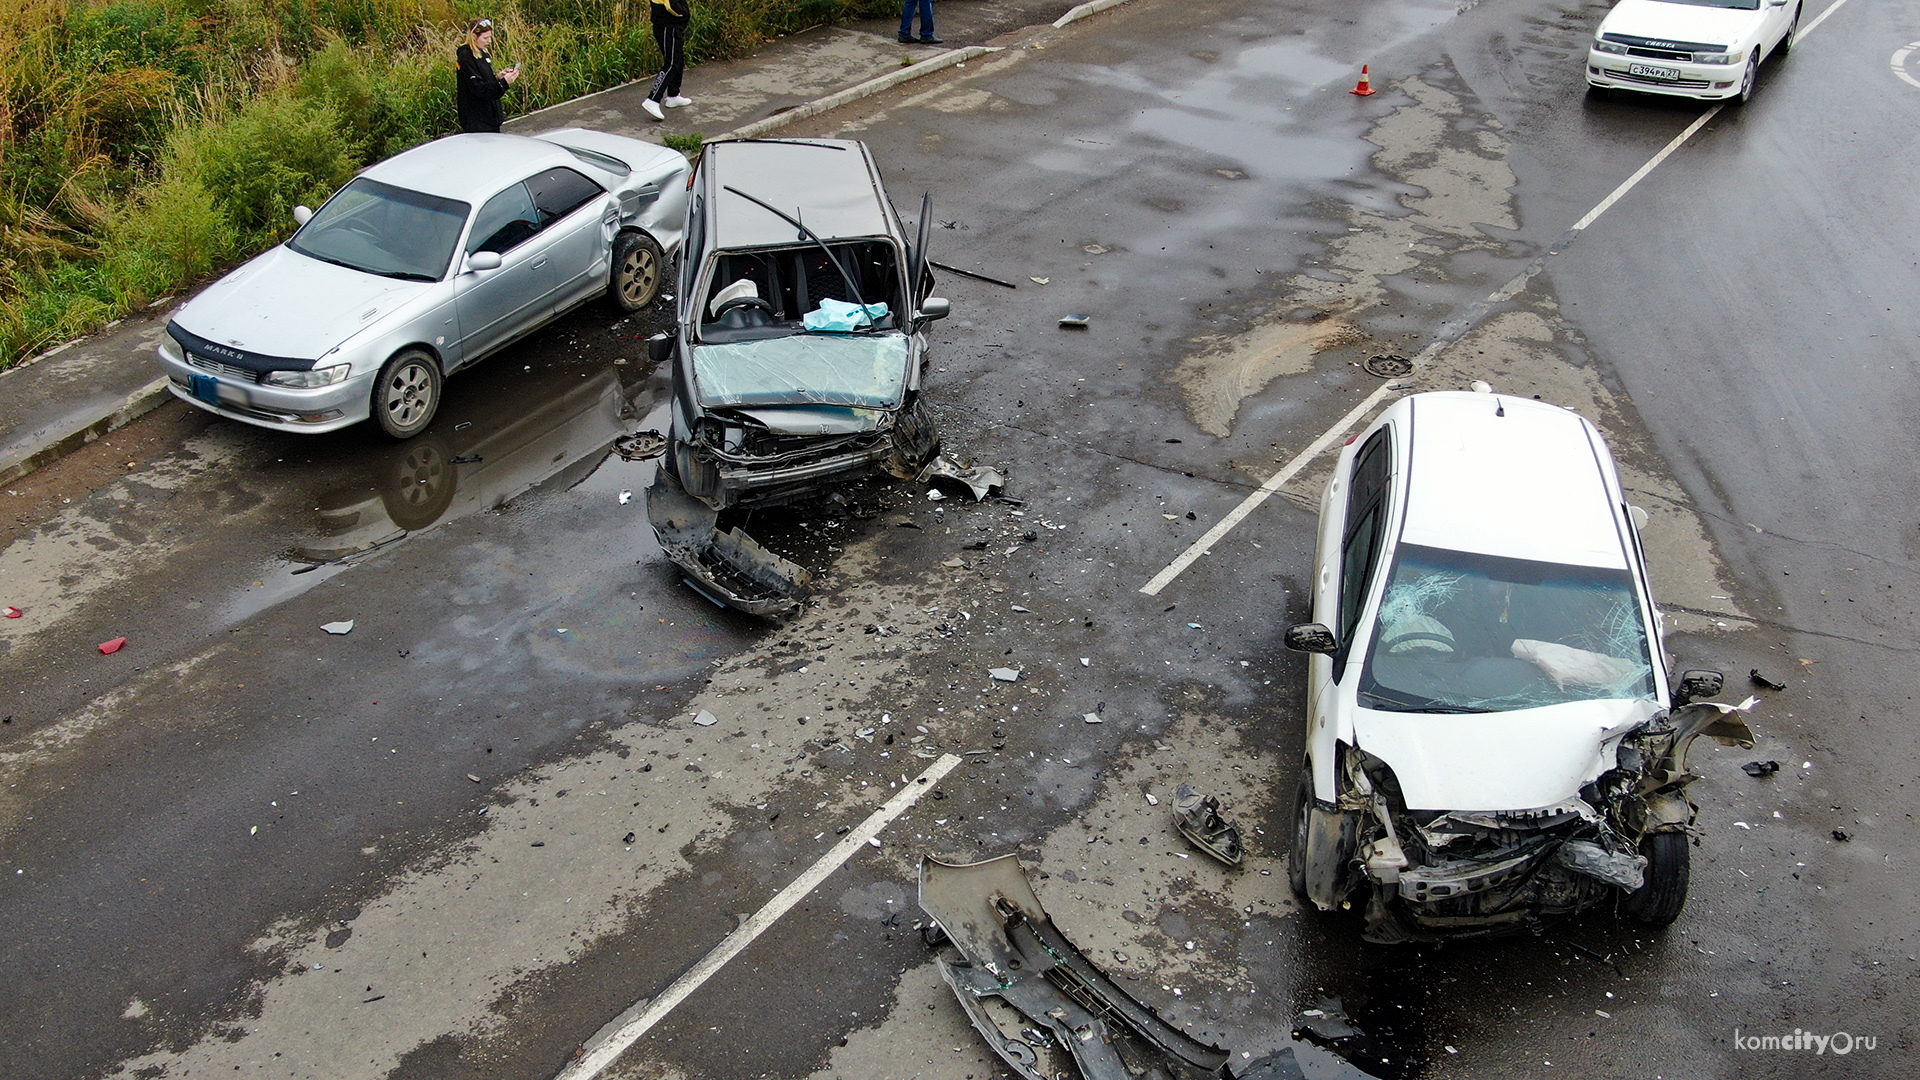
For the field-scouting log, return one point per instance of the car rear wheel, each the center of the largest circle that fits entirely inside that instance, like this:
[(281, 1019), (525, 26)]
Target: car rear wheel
[(407, 393), (1660, 897), (638, 268), (1297, 854)]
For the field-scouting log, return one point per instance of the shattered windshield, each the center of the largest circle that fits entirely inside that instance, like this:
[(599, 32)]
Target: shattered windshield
[(824, 369), (1475, 633)]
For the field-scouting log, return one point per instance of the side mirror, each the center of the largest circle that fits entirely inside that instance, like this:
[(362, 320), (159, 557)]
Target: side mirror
[(1638, 515), (1310, 638), (302, 215), (483, 260), (1697, 685), (660, 348), (934, 307)]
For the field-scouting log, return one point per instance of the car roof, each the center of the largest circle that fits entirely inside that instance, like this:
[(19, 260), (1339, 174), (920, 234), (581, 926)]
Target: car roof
[(1496, 475), (471, 168), (830, 185)]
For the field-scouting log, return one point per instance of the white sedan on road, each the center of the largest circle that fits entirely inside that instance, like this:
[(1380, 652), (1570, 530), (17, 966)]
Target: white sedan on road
[(1708, 49)]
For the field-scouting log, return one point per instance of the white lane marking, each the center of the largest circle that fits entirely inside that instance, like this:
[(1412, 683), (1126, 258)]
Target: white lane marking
[(601, 1055), (1327, 438), (1900, 64), (1809, 28)]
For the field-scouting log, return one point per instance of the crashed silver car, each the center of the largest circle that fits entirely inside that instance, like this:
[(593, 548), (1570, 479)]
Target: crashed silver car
[(422, 265), (1492, 738), (798, 353)]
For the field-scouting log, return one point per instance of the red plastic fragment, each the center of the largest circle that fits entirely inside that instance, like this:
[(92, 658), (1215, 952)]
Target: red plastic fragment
[(110, 647), (11, 612)]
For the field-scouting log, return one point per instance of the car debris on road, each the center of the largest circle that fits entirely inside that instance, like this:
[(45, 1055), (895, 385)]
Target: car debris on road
[(1198, 819), (1047, 1010)]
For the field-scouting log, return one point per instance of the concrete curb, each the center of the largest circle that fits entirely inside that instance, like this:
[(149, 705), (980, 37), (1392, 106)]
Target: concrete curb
[(85, 429), (1092, 7), (862, 90)]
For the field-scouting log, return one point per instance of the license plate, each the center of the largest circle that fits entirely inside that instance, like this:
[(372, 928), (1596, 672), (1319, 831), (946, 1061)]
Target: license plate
[(1646, 71), (204, 388)]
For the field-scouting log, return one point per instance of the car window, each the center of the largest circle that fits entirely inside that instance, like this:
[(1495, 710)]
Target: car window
[(386, 230), (559, 192), (1460, 632), (505, 222), (1360, 539)]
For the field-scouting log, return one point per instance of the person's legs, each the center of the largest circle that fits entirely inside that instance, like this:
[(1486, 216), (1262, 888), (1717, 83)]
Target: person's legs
[(926, 19), (676, 57), (906, 19)]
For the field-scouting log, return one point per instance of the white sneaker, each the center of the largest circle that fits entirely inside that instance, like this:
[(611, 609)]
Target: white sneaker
[(653, 108), (676, 101)]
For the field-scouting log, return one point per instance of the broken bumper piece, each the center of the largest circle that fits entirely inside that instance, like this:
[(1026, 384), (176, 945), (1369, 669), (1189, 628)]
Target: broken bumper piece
[(1039, 1003), (726, 566), (1044, 1007)]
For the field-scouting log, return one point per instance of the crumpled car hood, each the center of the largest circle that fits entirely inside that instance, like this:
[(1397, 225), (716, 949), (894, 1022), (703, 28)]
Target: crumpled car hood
[(1499, 760), (282, 303)]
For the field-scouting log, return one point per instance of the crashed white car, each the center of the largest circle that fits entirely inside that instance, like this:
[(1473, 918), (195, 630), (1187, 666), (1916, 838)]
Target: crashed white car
[(1707, 49), (1492, 741)]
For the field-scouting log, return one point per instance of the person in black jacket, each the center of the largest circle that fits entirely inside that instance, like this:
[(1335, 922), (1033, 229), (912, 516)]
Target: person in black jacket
[(670, 19), (478, 95)]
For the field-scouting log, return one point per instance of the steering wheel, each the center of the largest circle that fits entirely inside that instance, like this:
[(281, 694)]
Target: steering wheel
[(1419, 635), (740, 302)]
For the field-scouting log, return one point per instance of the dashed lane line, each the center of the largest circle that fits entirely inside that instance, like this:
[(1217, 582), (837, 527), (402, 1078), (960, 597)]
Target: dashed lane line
[(1449, 333), (595, 1058)]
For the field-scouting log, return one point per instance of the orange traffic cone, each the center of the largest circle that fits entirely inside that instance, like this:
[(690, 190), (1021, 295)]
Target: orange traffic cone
[(1365, 89)]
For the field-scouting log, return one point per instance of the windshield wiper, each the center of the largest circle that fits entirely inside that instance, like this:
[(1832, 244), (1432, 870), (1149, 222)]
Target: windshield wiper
[(1375, 699), (404, 275)]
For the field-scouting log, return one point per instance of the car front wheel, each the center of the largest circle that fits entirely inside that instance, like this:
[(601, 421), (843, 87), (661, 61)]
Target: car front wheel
[(1746, 84), (1786, 43), (407, 394), (1660, 897), (1297, 854), (638, 268)]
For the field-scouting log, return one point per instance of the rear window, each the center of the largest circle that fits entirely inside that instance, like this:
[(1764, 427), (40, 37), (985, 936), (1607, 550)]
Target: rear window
[(559, 192)]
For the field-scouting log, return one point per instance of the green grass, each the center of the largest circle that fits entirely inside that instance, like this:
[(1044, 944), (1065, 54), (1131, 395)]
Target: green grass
[(148, 144)]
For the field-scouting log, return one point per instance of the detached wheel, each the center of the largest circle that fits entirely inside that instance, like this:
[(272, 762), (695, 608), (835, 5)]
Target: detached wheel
[(638, 268), (407, 394), (1669, 866), (1297, 854)]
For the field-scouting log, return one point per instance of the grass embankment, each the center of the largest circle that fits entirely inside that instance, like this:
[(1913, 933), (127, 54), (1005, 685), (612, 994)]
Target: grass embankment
[(145, 144)]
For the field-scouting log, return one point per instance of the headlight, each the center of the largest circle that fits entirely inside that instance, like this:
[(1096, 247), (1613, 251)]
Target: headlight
[(1718, 57), (1613, 47), (305, 380)]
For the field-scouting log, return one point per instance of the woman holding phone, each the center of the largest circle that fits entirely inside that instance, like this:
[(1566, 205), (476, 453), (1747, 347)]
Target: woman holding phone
[(479, 91)]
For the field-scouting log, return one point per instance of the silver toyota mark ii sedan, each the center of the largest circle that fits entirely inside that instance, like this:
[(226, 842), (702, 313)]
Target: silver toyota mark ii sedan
[(421, 265)]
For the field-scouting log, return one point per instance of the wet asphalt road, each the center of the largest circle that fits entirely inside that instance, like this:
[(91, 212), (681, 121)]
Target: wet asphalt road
[(1184, 174)]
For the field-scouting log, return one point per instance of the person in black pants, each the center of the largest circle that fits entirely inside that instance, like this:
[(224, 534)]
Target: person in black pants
[(670, 19), (478, 93), (926, 22)]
